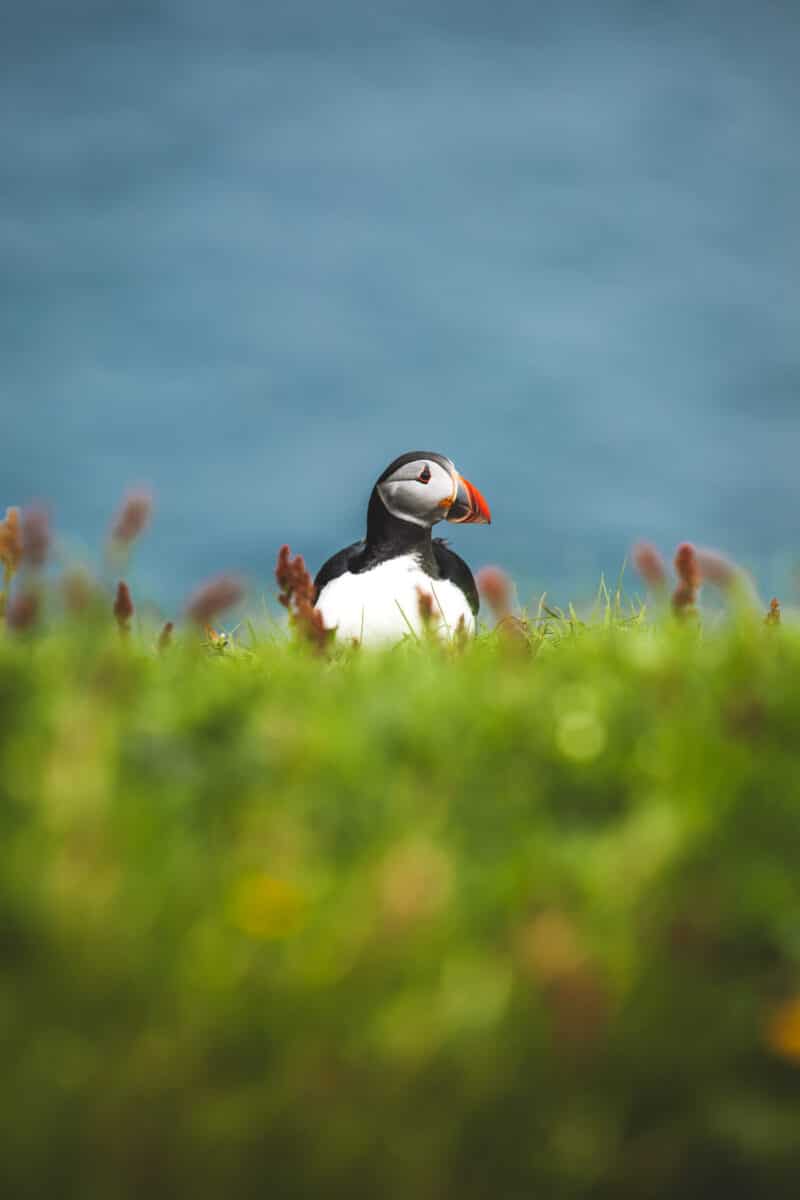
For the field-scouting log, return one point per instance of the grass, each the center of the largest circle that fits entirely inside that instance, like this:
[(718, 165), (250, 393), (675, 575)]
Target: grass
[(520, 919)]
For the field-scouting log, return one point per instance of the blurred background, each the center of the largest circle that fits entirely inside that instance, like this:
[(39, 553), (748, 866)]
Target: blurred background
[(251, 252)]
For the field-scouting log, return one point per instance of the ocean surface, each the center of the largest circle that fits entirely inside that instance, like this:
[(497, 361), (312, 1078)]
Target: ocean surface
[(249, 253)]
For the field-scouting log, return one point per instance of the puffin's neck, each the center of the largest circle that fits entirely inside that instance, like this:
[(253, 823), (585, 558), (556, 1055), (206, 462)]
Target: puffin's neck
[(389, 536)]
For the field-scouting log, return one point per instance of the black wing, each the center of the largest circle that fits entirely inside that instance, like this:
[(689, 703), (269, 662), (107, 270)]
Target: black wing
[(336, 566), (456, 570)]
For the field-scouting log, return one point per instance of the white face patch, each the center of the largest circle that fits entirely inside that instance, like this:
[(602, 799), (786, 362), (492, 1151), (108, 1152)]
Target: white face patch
[(382, 605), (419, 491)]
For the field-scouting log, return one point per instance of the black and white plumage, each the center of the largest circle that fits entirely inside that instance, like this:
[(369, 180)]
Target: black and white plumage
[(370, 591)]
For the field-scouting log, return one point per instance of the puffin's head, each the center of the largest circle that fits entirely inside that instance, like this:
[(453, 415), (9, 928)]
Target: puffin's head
[(424, 488)]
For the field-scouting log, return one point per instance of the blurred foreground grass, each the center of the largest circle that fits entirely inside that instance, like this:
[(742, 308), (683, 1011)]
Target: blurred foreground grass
[(488, 924)]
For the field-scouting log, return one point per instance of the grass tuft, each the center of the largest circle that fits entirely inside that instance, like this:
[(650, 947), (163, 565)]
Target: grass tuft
[(515, 920)]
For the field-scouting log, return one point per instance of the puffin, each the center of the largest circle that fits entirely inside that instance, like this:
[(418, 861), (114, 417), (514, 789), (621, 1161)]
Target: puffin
[(378, 589)]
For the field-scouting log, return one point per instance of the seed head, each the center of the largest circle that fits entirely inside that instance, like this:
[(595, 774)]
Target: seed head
[(773, 616), (686, 564), (294, 579), (23, 611), (123, 607), (650, 565), (717, 569), (425, 608), (132, 518), (11, 541), (297, 594), (496, 588), (214, 597), (684, 597), (35, 536), (461, 636)]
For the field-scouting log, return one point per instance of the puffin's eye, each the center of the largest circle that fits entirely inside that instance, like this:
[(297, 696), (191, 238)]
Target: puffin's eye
[(425, 474)]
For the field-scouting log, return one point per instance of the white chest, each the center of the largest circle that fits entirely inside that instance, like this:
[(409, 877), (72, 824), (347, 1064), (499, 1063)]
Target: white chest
[(382, 605)]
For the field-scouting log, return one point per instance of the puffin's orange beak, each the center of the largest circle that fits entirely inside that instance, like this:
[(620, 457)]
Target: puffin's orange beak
[(469, 506)]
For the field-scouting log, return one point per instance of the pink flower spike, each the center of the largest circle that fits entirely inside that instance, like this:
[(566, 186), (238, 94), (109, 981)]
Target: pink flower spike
[(684, 598), (23, 611), (214, 597), (132, 518), (651, 566), (717, 569), (687, 566), (35, 536), (496, 588), (123, 607)]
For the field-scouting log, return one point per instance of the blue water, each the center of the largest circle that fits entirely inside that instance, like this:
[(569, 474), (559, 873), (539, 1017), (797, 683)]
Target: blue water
[(252, 252)]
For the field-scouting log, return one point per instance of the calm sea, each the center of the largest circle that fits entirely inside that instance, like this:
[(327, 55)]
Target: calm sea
[(249, 253)]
